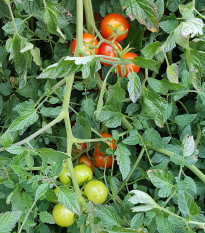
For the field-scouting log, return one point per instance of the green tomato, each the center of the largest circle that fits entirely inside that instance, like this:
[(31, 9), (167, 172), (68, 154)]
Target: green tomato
[(96, 191), (65, 176), (83, 173), (63, 216)]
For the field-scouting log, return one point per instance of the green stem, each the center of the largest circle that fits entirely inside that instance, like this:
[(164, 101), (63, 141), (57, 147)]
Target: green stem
[(25, 219), (12, 16), (89, 16), (193, 168), (132, 170), (127, 124)]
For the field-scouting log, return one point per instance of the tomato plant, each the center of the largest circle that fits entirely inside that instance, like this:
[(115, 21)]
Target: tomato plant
[(83, 173), (71, 70), (63, 216), (85, 160), (114, 22), (96, 191), (129, 68), (88, 42)]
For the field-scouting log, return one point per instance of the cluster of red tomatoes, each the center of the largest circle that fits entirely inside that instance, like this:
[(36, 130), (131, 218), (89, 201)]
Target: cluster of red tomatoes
[(114, 28), (94, 190)]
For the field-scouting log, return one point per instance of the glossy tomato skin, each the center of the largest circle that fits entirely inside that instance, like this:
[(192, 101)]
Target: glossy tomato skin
[(83, 173), (87, 40), (100, 158), (96, 191), (107, 50), (63, 216), (86, 161), (65, 176), (114, 20), (129, 67)]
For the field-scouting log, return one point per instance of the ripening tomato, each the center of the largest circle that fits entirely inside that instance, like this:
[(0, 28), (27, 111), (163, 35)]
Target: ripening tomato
[(100, 158), (96, 191), (83, 173), (113, 21), (107, 50), (65, 176), (63, 216), (129, 68), (86, 161), (82, 145), (88, 40)]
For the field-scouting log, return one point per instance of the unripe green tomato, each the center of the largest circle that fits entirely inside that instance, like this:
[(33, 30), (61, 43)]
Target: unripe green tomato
[(83, 173), (96, 191), (63, 216), (65, 176)]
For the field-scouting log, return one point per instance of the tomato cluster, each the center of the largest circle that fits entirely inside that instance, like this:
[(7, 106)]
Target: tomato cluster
[(114, 28)]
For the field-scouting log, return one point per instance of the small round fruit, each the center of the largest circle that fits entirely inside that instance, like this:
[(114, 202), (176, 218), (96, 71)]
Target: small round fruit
[(65, 176), (83, 173), (103, 161), (129, 68), (107, 50), (112, 21), (96, 191), (82, 145), (86, 161), (88, 40), (63, 216)]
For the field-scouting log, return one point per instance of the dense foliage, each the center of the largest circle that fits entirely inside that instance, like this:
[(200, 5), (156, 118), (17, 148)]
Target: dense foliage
[(140, 123)]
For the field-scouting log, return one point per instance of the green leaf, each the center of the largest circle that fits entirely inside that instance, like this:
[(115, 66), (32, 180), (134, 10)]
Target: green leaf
[(187, 204), (144, 11), (36, 56), (108, 216), (6, 139), (8, 221), (51, 17), (132, 139), (50, 155), (168, 25), (184, 120), (146, 63), (162, 181), (150, 50), (18, 170), (163, 224), (187, 10), (41, 190), (137, 221), (172, 73), (88, 106), (51, 112), (5, 89), (9, 27), (169, 44), (134, 86), (45, 217), (143, 198), (123, 159), (188, 144), (1, 104), (69, 199), (27, 117)]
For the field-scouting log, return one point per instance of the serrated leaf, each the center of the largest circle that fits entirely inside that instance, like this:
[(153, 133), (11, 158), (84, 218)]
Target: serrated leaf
[(36, 56), (168, 25), (41, 190), (143, 198), (132, 139), (46, 217), (188, 144), (50, 112), (18, 170), (137, 221), (8, 221), (123, 159), (134, 86), (50, 17), (184, 120), (146, 63), (187, 204), (68, 199), (88, 106), (108, 216), (149, 50), (50, 155), (172, 73), (163, 224)]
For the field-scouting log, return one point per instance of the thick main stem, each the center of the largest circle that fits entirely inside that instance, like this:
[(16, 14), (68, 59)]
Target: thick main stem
[(89, 16)]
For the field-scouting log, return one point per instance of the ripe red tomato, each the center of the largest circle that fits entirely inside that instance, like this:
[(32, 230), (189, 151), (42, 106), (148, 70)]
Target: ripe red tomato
[(85, 160), (107, 50), (96, 191), (88, 40), (129, 67), (100, 158), (115, 21), (83, 146)]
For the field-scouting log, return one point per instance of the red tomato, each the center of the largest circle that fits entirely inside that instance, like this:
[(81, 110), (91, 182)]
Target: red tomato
[(88, 40), (86, 161), (129, 67), (107, 50), (114, 21), (100, 159), (83, 146)]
